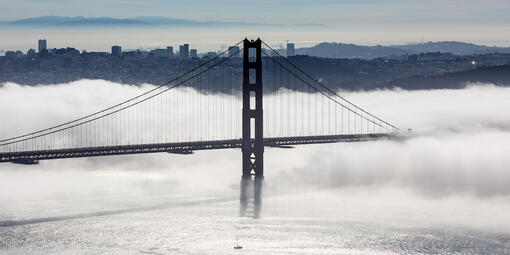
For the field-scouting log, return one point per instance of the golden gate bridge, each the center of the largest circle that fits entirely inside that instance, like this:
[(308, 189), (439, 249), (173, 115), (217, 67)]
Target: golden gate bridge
[(269, 102)]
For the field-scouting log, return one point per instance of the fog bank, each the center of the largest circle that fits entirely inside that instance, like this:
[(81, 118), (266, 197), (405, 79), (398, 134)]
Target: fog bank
[(458, 146)]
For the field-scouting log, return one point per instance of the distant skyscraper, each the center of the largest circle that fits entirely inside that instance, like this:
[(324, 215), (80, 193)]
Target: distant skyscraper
[(41, 45), (233, 50), (116, 51), (184, 50), (170, 51), (193, 53), (290, 50)]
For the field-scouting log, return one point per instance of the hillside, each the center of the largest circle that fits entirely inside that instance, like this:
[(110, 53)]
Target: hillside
[(353, 51), (341, 50), (456, 48), (499, 75)]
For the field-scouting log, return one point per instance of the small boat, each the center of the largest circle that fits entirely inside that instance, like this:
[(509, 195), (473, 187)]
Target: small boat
[(237, 246)]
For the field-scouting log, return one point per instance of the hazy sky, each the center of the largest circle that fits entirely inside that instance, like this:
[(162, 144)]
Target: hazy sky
[(367, 22), (330, 12)]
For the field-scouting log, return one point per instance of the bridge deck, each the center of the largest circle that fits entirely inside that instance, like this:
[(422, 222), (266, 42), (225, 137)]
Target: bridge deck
[(31, 157)]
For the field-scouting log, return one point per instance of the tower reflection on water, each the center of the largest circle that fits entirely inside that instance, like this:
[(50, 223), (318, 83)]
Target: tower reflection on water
[(251, 197)]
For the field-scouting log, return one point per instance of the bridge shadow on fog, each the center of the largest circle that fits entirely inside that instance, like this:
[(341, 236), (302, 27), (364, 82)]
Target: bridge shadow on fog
[(12, 223), (250, 192)]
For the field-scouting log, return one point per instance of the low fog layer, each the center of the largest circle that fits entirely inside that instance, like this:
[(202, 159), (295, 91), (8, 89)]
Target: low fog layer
[(458, 147)]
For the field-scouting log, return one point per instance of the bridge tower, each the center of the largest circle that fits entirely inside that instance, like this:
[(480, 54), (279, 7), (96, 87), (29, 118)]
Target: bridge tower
[(253, 140)]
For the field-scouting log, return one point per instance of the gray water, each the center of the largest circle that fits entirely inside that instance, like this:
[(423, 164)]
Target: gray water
[(320, 222)]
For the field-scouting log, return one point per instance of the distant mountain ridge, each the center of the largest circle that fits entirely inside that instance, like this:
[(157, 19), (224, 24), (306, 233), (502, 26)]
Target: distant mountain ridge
[(79, 20), (134, 21), (454, 47), (342, 50), (352, 51)]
